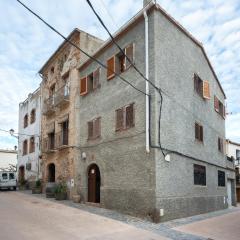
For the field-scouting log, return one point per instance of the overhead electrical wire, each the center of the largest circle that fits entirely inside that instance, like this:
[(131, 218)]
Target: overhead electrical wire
[(140, 73), (81, 50), (19, 134)]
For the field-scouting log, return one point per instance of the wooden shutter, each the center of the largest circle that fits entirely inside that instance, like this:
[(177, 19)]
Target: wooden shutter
[(111, 68), (224, 112), (96, 76), (129, 116), (90, 130), (119, 119), (83, 86), (196, 131), (216, 103), (129, 51), (97, 128), (206, 90), (201, 133)]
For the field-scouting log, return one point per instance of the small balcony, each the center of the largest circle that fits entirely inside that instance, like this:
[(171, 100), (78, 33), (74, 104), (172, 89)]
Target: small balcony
[(49, 144), (62, 139), (48, 106), (62, 96)]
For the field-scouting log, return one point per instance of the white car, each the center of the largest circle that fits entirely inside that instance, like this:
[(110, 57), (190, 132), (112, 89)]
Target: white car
[(8, 180)]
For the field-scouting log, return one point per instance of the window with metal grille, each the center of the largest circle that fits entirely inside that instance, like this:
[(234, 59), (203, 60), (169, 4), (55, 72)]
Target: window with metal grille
[(221, 179), (125, 117), (199, 175), (25, 147), (32, 145), (198, 132), (94, 129), (33, 116), (25, 121)]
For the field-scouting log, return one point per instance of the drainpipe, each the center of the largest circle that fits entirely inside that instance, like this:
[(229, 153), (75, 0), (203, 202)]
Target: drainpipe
[(147, 83)]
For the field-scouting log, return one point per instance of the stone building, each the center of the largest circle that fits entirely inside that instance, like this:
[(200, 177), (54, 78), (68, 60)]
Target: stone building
[(60, 92), (129, 158), (29, 128), (233, 154)]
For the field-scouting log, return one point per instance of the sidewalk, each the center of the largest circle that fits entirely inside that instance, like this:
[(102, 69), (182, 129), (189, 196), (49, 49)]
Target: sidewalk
[(171, 229)]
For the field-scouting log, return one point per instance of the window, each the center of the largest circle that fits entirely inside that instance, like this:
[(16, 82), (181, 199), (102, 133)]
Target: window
[(90, 83), (25, 147), (51, 141), (119, 63), (64, 133), (4, 176), (28, 166), (125, 117), (201, 87), (199, 175), (220, 145), (11, 176), (33, 116), (198, 132), (238, 154), (94, 129), (32, 145), (219, 107), (52, 70), (25, 121), (221, 179)]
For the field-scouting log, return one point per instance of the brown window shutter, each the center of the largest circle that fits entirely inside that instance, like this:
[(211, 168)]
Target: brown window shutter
[(129, 51), (119, 119), (196, 131), (224, 112), (111, 68), (90, 130), (201, 133), (96, 76), (206, 90), (97, 127), (129, 116), (83, 86), (216, 103)]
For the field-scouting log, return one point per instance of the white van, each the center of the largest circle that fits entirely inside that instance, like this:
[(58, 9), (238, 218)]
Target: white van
[(8, 180)]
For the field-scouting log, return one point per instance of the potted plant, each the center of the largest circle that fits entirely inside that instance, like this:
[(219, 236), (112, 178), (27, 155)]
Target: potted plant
[(61, 191), (37, 189), (22, 184)]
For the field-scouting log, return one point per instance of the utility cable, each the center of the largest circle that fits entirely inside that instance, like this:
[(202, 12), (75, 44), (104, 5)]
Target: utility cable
[(84, 52), (120, 49), (139, 72)]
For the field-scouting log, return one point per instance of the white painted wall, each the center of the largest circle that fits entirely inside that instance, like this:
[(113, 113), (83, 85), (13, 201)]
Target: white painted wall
[(231, 149), (32, 102), (7, 157)]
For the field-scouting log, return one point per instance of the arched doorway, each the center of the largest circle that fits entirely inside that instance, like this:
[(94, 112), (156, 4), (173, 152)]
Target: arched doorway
[(94, 183), (51, 172), (21, 174)]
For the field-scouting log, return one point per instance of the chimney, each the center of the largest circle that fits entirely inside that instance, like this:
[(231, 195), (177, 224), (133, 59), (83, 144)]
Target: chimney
[(146, 2)]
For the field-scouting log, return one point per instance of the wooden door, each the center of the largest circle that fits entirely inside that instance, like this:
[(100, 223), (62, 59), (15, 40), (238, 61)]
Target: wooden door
[(94, 182), (238, 194)]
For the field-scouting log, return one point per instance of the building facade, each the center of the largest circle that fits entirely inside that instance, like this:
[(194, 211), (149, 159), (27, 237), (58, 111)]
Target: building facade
[(184, 171), (60, 92), (233, 154), (29, 152), (8, 160)]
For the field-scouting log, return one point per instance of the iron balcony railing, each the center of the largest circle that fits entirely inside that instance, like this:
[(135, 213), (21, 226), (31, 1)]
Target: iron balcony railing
[(49, 144), (62, 139), (62, 95), (58, 98)]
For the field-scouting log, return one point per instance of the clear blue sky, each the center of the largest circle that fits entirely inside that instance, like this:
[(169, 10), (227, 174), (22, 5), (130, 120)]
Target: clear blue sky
[(26, 44)]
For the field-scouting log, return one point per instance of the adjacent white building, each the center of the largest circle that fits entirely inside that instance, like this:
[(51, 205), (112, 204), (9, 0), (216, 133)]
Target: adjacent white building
[(28, 165), (8, 159), (233, 153)]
